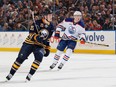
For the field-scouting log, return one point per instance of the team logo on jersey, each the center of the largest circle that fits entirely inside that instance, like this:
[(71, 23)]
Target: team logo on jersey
[(71, 30), (44, 33)]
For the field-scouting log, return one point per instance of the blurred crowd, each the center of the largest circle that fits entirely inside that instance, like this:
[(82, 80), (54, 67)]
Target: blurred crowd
[(15, 15)]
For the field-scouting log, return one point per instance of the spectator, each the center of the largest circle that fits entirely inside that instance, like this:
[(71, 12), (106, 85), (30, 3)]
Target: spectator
[(20, 27), (96, 26), (18, 11), (107, 24), (11, 23), (6, 27)]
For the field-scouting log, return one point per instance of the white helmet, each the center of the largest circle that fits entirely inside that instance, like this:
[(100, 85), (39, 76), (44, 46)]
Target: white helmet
[(77, 13)]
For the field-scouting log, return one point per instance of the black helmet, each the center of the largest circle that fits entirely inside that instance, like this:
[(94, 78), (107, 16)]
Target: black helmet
[(47, 11)]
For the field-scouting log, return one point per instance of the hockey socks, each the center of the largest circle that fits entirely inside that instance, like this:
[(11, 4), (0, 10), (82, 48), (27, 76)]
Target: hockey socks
[(55, 61), (33, 69), (14, 68), (64, 60)]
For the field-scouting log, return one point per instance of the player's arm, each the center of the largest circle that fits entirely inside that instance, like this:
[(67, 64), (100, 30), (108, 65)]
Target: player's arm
[(60, 27), (47, 49), (82, 36), (47, 42)]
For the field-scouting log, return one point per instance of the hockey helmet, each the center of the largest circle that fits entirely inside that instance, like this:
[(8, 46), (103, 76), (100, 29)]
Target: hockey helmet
[(77, 13)]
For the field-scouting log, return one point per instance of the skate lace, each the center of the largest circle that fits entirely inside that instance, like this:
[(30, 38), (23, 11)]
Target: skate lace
[(29, 75), (61, 65), (53, 65), (10, 75)]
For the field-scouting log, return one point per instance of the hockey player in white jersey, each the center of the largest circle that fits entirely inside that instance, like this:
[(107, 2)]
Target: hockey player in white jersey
[(73, 30)]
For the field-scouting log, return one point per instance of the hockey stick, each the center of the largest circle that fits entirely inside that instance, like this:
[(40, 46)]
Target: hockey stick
[(98, 44), (105, 45), (32, 13), (95, 43)]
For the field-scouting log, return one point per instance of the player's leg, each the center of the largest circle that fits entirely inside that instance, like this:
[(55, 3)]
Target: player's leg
[(38, 54), (22, 56), (56, 59), (69, 50), (60, 48)]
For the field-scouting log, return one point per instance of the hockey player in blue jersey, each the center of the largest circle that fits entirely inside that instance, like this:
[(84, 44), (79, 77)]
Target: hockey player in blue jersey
[(73, 29), (37, 42)]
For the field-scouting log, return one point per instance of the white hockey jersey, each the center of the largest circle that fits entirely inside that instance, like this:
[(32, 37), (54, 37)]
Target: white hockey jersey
[(71, 31)]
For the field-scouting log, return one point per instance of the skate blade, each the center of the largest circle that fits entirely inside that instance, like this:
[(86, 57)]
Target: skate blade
[(58, 69), (50, 69), (26, 81)]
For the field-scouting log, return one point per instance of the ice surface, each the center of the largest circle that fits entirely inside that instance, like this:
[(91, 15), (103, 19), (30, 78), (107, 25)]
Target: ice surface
[(82, 70)]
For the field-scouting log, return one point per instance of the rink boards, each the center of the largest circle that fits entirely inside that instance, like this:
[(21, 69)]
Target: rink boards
[(12, 41)]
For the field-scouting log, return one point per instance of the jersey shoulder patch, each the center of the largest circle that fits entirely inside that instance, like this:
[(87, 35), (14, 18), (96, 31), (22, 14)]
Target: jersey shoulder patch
[(81, 23), (69, 20)]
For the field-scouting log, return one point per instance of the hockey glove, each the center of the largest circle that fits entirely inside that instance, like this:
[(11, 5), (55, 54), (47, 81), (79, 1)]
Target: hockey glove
[(57, 35), (82, 41), (47, 51)]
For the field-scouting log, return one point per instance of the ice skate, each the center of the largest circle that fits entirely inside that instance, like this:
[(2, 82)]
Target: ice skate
[(8, 77), (52, 66), (60, 66), (28, 78)]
